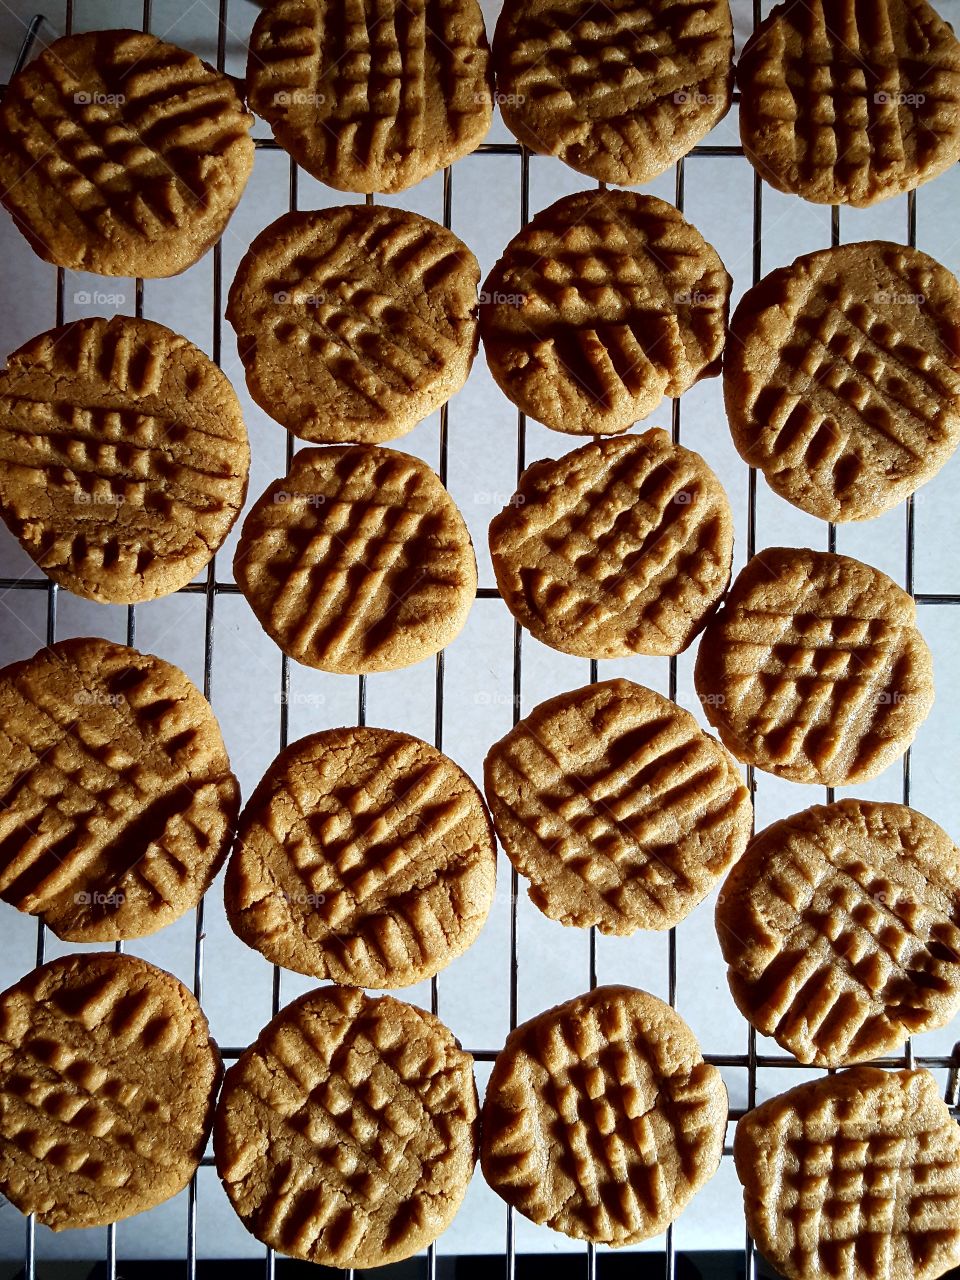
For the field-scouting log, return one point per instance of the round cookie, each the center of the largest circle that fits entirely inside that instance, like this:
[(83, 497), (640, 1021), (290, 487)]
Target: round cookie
[(840, 929), (364, 856), (355, 323), (347, 1133), (849, 103), (118, 800), (842, 377), (602, 305), (623, 546), (601, 1118), (123, 457), (814, 669), (122, 154), (617, 807), (108, 1079), (619, 91), (856, 1174), (375, 96), (357, 561)]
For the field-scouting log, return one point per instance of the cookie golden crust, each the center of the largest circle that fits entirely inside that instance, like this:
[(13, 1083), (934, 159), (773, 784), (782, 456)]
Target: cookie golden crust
[(122, 154), (601, 1118), (844, 102), (841, 929), (355, 323), (108, 1079), (854, 1175), (123, 457), (814, 668), (357, 561), (118, 800), (373, 96), (347, 1134), (619, 91), (602, 305), (621, 547), (620, 811), (842, 377), (365, 856)]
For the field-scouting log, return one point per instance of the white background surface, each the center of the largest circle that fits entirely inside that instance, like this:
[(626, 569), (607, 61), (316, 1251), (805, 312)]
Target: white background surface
[(474, 991)]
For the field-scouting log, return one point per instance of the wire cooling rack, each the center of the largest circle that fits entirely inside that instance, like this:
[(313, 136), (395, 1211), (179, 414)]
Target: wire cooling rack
[(751, 1060)]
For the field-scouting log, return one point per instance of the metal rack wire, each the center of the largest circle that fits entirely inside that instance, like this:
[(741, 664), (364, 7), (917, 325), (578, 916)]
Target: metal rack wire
[(213, 588)]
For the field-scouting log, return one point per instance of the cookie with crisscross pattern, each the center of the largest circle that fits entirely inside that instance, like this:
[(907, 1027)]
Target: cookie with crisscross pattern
[(814, 668), (842, 377), (357, 560), (619, 91), (841, 929), (617, 807), (601, 1118), (855, 1175), (122, 154), (123, 457), (108, 1079), (347, 1133), (117, 803), (850, 101), (603, 304), (355, 323), (621, 547), (372, 95), (365, 856)]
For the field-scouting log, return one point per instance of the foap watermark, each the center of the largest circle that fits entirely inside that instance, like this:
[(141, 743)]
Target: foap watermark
[(498, 299), (308, 499), (299, 698), (490, 498), (86, 98), (891, 298), (298, 98), (84, 499), (294, 297), (884, 98), (695, 298), (97, 898), (303, 898), (97, 698), (500, 99), (683, 498), (486, 698), (99, 298), (695, 98)]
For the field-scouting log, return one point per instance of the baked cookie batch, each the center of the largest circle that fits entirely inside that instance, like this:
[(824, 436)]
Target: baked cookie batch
[(348, 1133)]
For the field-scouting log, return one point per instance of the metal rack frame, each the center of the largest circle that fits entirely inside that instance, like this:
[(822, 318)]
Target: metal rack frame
[(212, 588)]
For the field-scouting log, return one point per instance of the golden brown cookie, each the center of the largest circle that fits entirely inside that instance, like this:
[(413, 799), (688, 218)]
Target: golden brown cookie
[(621, 547), (123, 457), (365, 856), (347, 1133), (357, 560), (841, 929), (855, 1175), (122, 154), (372, 96), (108, 1079), (619, 91), (355, 323), (842, 377), (601, 1118), (617, 807), (814, 668), (602, 305), (117, 804), (846, 102)]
